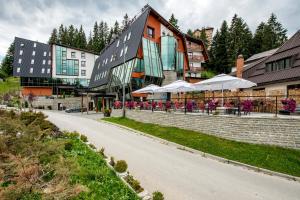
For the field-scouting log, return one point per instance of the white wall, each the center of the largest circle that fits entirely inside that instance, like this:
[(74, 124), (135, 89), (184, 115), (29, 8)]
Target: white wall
[(89, 65), (165, 30)]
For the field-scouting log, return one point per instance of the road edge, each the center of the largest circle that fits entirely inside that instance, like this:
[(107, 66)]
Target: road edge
[(207, 155)]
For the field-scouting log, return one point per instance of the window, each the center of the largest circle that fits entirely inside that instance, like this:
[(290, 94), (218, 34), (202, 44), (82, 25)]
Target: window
[(31, 70), (22, 44), (45, 53), (278, 65), (43, 70), (44, 62), (20, 61), (111, 58), (21, 52), (18, 70), (48, 71), (82, 55), (106, 61), (125, 51), (125, 38), (118, 43), (82, 63), (121, 54), (129, 35), (83, 72), (49, 62), (150, 32), (73, 54), (32, 61), (34, 44), (33, 53)]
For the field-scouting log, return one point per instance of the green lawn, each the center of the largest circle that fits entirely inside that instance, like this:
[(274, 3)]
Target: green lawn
[(11, 84), (264, 156)]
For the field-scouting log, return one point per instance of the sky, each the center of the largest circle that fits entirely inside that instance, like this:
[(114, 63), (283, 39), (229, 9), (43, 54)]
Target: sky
[(35, 19)]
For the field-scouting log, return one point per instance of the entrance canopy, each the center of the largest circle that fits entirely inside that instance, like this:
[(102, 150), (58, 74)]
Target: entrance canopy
[(148, 89)]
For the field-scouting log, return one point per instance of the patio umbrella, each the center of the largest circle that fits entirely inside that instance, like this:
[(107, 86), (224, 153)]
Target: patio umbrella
[(223, 82), (148, 89), (176, 86)]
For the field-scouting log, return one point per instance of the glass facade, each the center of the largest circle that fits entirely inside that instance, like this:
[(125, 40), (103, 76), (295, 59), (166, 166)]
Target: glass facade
[(122, 74), (152, 60), (179, 62), (64, 66), (168, 52)]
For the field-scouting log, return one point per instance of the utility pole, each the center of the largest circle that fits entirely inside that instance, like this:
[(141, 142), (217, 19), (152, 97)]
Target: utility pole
[(123, 85)]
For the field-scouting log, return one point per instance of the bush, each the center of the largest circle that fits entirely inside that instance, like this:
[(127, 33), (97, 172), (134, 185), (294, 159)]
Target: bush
[(26, 104), (49, 107), (68, 146), (157, 196), (101, 152), (121, 166), (71, 135), (135, 184), (83, 138), (112, 161), (92, 146)]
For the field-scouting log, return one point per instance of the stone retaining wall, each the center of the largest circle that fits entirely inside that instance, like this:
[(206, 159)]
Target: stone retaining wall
[(273, 131)]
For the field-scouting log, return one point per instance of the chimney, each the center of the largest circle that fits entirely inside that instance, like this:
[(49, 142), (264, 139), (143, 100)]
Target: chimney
[(239, 66)]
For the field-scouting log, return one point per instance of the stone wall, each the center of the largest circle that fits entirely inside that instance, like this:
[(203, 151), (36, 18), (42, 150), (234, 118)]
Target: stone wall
[(72, 102), (273, 131)]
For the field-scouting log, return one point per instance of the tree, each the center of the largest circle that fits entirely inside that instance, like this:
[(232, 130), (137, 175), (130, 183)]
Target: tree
[(116, 28), (6, 65), (90, 42), (240, 39), (71, 36), (54, 37), (190, 32), (258, 41), (203, 37), (174, 21), (219, 53), (81, 39), (62, 35), (95, 39), (125, 22)]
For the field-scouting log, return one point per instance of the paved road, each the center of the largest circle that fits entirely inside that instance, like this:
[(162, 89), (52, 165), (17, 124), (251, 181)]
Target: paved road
[(180, 175)]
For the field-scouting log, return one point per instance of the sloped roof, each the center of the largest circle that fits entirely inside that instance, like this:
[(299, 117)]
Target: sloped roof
[(261, 55), (136, 30)]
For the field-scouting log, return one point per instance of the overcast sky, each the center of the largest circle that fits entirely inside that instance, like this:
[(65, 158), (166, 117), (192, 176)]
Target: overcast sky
[(35, 19)]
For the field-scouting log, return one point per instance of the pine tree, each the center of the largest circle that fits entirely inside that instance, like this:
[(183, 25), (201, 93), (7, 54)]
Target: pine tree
[(258, 42), (174, 21), (240, 39), (110, 36), (275, 33), (71, 36), (81, 41), (203, 37), (54, 37), (125, 22), (190, 32), (90, 42), (62, 35), (95, 38), (6, 69), (116, 28)]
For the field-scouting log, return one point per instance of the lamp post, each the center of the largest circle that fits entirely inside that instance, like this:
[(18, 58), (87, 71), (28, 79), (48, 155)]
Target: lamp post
[(123, 85)]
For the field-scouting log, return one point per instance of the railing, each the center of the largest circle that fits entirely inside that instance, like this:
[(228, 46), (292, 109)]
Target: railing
[(219, 105)]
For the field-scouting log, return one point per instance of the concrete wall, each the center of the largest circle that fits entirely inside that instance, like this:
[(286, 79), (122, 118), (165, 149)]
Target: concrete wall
[(273, 131), (74, 102)]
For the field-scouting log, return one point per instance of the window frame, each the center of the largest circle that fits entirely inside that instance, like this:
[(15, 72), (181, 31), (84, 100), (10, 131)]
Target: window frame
[(152, 30)]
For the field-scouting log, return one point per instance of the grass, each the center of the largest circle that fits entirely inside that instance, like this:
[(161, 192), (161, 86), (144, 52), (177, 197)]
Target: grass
[(37, 161), (264, 156), (11, 84)]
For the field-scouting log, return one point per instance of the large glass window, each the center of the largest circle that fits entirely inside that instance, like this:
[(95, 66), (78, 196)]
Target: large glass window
[(168, 52), (152, 60), (65, 67), (179, 62), (122, 73)]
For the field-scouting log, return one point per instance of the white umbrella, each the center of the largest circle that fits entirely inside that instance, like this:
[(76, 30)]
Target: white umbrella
[(148, 89), (223, 82), (176, 86)]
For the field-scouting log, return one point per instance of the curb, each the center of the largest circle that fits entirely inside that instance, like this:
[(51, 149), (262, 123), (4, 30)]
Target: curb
[(207, 155)]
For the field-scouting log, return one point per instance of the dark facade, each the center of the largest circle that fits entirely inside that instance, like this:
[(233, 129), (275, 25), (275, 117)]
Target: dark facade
[(32, 59)]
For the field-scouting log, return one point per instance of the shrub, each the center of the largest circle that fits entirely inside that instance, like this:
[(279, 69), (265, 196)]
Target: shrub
[(121, 166), (83, 138), (71, 134), (49, 107), (157, 196), (26, 104), (92, 146), (135, 184), (101, 152), (68, 146), (112, 161)]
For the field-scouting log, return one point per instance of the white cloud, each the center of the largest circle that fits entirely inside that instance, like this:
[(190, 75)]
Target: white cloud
[(35, 19)]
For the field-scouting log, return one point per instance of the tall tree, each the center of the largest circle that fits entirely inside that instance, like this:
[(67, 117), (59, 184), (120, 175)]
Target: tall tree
[(190, 32), (116, 29), (203, 37), (6, 65), (62, 35), (90, 42), (71, 35), (54, 37), (240, 39), (125, 22), (258, 41), (81, 38), (95, 38), (174, 21)]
